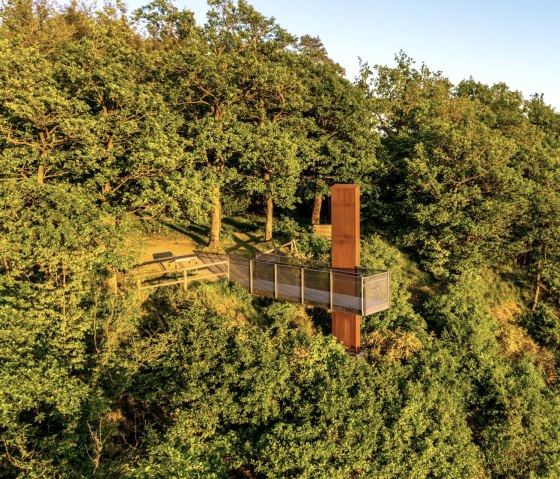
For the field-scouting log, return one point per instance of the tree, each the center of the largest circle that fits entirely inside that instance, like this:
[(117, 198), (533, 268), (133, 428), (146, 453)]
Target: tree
[(40, 123), (135, 157), (272, 167), (341, 137), (455, 187), (59, 328), (539, 233), (213, 75), (271, 120)]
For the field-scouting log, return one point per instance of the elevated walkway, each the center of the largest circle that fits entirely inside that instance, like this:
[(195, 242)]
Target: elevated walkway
[(361, 291)]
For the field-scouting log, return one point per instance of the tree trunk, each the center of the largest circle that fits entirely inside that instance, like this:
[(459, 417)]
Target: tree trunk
[(537, 289), (316, 214), (41, 168), (538, 279), (216, 225), (41, 174), (105, 190), (269, 212), (269, 217)]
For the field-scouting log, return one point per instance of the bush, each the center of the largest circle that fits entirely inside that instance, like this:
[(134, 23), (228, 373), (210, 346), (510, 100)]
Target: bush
[(543, 325)]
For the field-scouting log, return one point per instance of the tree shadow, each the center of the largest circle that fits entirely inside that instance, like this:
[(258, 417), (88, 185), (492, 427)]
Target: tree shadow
[(322, 319), (233, 230), (243, 246), (199, 234), (241, 225)]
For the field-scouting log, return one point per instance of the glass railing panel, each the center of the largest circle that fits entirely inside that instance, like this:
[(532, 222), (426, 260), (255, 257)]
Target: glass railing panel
[(376, 294), (289, 282), (263, 278), (316, 287), (240, 270), (347, 292)]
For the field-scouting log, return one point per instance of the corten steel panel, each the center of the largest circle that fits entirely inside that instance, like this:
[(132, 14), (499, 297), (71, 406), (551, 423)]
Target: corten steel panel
[(345, 221), (346, 328)]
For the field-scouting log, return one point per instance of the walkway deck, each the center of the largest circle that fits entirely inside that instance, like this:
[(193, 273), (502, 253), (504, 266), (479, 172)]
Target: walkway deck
[(361, 291)]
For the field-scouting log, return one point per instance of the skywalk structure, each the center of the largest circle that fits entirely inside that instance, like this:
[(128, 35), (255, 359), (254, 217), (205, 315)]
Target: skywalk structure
[(360, 291), (343, 287)]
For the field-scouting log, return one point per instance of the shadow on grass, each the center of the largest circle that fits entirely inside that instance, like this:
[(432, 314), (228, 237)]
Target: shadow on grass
[(243, 246), (242, 232), (199, 234), (243, 225), (240, 227)]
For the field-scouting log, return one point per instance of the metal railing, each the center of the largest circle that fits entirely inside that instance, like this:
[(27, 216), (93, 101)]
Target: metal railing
[(181, 274), (361, 291)]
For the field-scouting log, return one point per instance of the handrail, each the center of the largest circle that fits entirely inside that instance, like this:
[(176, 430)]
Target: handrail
[(301, 263), (188, 269), (359, 290)]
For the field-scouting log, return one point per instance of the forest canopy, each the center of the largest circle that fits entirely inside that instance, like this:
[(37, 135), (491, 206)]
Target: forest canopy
[(112, 119)]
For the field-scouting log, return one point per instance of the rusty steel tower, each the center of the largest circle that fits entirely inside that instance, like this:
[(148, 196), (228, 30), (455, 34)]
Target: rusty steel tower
[(345, 221)]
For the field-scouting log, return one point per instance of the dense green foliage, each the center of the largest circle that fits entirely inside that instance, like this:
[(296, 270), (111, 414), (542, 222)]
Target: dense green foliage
[(106, 116)]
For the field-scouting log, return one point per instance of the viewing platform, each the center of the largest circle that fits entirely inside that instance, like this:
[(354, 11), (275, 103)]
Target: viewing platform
[(361, 291)]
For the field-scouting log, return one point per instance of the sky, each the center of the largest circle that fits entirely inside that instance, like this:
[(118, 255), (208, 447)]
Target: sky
[(515, 42)]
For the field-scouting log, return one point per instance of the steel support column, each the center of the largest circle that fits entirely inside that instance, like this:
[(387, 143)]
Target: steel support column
[(345, 221)]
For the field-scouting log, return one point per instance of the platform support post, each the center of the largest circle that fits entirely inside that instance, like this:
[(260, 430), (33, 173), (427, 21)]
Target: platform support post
[(345, 221), (363, 295)]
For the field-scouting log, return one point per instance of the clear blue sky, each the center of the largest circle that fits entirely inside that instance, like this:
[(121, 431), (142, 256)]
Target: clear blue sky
[(512, 41)]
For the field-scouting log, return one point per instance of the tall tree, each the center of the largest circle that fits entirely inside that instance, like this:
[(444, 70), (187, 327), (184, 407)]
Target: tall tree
[(40, 124), (213, 73), (136, 157), (453, 186), (272, 122), (539, 232), (340, 131)]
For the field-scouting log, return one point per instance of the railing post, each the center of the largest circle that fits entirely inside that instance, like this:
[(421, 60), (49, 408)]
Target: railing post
[(363, 294), (275, 280), (388, 288), (331, 287), (185, 279), (251, 276), (302, 285)]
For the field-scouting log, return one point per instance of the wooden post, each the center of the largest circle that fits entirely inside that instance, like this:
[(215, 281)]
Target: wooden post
[(185, 279), (345, 222)]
